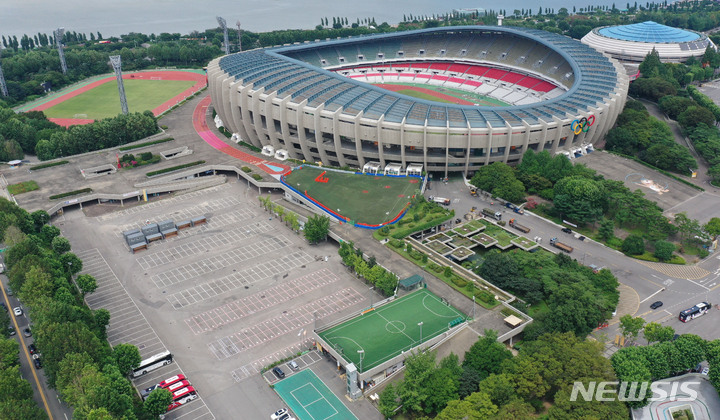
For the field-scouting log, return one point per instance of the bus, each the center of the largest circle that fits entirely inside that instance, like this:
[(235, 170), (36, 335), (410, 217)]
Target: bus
[(152, 363), (168, 384), (182, 396), (177, 385), (169, 381), (698, 310)]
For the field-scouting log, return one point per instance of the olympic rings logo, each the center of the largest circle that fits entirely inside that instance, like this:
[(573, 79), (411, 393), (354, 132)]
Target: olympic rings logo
[(582, 125)]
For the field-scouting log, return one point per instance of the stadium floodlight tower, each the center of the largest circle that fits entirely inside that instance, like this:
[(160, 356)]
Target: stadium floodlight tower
[(223, 25), (117, 66), (59, 32), (239, 36), (3, 86)]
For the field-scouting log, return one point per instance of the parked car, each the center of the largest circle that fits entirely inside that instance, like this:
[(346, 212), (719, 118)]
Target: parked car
[(276, 415), (31, 348), (293, 365), (27, 332), (37, 363), (278, 372), (11, 331), (656, 305), (566, 230), (17, 311)]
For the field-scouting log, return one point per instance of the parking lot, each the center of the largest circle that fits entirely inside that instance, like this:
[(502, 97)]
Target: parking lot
[(226, 298)]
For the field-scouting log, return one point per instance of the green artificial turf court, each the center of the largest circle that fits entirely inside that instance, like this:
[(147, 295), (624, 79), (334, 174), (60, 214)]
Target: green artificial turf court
[(310, 399), (390, 329), (104, 100), (362, 198)]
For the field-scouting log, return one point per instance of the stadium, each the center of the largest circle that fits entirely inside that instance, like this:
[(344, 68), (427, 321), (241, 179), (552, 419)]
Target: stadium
[(631, 43), (451, 99)]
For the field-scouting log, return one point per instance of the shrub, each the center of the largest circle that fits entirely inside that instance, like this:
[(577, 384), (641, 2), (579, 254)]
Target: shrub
[(146, 156), (457, 281), (384, 231), (663, 250), (257, 177), (448, 271), (633, 245), (174, 168), (397, 243), (246, 169)]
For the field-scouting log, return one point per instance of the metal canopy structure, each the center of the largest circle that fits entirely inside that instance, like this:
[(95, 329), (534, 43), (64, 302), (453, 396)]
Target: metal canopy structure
[(117, 66)]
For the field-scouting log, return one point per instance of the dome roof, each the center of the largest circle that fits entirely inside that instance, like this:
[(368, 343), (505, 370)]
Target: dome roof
[(648, 32)]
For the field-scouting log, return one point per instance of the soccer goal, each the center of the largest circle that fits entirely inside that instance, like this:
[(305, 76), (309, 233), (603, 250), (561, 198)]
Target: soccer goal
[(79, 116), (156, 78)]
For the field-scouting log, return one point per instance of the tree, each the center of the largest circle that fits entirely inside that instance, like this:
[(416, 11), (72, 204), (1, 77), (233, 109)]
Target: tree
[(633, 245), (9, 353), (38, 284), (630, 326), (71, 263), (712, 227), (486, 355), (579, 198), (651, 65), (388, 403), (499, 387), (13, 386), (468, 382), (127, 357), (60, 245), (653, 331), (40, 218), (499, 179), (48, 233), (157, 402), (317, 228), (607, 229), (664, 250), (695, 115), (86, 283), (500, 268)]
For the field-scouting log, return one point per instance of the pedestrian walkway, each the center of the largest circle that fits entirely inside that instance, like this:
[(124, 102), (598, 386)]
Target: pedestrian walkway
[(201, 127), (689, 272)]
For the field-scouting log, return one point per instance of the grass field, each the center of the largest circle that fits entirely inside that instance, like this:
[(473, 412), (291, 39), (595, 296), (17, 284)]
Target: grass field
[(423, 95), (104, 100), (22, 187), (464, 95), (391, 329), (310, 399), (362, 198)]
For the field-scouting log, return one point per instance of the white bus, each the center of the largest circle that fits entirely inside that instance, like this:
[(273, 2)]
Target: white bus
[(152, 363), (698, 310)]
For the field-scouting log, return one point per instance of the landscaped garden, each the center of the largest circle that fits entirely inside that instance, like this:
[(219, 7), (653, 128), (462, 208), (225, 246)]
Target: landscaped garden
[(22, 187)]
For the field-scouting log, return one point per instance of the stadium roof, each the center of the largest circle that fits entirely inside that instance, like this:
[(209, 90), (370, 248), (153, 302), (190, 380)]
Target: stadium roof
[(595, 79), (648, 32)]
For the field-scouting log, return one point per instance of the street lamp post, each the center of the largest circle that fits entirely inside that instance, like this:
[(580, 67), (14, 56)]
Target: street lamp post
[(371, 296), (420, 324), (473, 307), (361, 353)]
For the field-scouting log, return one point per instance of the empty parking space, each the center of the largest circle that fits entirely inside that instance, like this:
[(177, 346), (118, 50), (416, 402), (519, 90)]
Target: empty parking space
[(193, 248), (218, 262), (233, 311), (238, 279), (290, 322)]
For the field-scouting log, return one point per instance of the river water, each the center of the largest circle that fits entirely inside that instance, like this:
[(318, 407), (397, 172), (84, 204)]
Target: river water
[(116, 17)]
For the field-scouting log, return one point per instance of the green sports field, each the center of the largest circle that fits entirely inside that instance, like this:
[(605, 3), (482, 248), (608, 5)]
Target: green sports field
[(104, 100), (362, 198), (393, 328), (310, 399)]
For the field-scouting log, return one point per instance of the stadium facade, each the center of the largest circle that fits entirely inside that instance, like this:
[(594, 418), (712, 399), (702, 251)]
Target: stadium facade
[(323, 101), (632, 43)]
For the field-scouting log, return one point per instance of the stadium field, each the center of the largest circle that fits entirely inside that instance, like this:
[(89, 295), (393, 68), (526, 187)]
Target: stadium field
[(442, 94), (103, 101), (390, 329), (366, 199)]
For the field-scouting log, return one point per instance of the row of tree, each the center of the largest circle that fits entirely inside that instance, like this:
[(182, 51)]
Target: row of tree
[(637, 133), (384, 280), (666, 358), (491, 384), (16, 393), (88, 374)]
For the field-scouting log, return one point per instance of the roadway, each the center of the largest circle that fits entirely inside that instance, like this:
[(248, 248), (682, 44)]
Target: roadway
[(45, 397), (678, 287)]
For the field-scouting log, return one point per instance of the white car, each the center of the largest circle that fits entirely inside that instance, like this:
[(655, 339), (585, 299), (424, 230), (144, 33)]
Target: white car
[(276, 415), (17, 311)]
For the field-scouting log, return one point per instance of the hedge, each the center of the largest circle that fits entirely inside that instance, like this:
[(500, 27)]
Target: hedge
[(147, 143), (401, 233), (69, 193), (48, 165), (174, 168)]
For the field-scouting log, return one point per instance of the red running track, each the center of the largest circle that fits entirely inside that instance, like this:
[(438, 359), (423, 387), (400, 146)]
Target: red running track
[(210, 138), (449, 98), (199, 80)]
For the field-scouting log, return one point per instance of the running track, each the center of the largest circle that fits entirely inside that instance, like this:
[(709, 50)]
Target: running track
[(449, 98), (210, 138), (198, 78)]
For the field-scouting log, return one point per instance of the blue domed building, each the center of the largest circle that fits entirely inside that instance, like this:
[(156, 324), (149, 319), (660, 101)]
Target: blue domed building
[(631, 43)]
